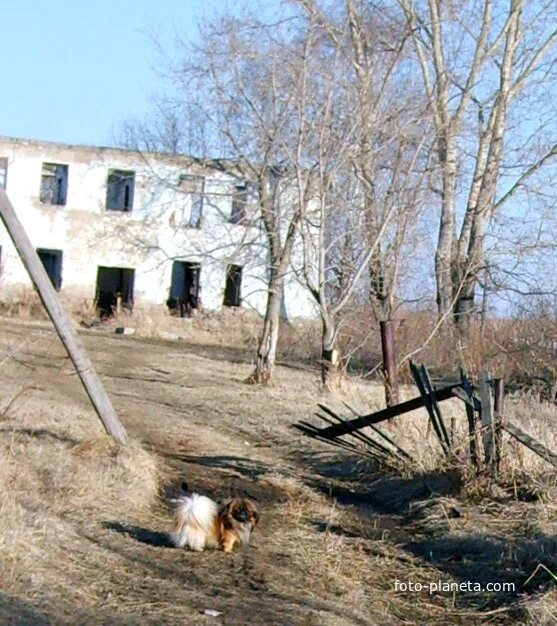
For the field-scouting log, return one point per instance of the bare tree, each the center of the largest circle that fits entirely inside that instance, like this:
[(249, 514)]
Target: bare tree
[(485, 67), (246, 85), (368, 166)]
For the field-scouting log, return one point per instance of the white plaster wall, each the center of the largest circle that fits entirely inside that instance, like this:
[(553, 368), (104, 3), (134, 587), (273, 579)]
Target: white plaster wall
[(147, 239)]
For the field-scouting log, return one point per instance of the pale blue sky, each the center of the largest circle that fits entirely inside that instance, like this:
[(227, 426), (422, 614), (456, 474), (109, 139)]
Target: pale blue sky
[(73, 70)]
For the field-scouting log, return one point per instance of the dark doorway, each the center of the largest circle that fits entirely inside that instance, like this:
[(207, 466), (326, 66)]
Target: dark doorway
[(114, 289), (233, 287), (184, 288), (52, 262)]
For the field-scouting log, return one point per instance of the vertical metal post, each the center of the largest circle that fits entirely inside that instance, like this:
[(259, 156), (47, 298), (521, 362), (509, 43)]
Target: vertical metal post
[(389, 361)]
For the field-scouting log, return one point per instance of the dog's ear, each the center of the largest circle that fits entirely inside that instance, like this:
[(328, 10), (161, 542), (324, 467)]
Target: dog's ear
[(225, 507), (254, 512)]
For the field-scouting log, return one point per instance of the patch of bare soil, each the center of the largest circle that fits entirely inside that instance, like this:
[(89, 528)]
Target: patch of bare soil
[(83, 526)]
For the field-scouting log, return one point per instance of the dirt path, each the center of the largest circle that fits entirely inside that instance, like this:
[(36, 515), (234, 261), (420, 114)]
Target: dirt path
[(318, 560)]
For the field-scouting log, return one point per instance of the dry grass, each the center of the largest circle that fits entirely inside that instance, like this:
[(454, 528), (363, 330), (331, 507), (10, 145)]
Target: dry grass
[(51, 491), (522, 350), (80, 519)]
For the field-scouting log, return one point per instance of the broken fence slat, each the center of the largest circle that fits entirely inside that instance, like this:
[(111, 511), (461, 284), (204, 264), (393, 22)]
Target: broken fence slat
[(361, 437), (469, 401), (435, 406), (385, 414), (328, 411), (531, 443), (428, 405), (309, 431), (400, 450), (351, 408), (427, 400), (377, 430)]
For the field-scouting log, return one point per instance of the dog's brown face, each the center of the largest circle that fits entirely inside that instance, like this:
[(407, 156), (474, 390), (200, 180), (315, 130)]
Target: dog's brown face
[(240, 516)]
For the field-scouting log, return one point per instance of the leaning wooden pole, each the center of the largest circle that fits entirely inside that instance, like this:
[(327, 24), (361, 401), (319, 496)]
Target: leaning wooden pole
[(62, 322)]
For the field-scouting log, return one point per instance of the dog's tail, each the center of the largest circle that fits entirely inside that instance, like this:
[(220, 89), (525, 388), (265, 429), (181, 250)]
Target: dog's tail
[(192, 512)]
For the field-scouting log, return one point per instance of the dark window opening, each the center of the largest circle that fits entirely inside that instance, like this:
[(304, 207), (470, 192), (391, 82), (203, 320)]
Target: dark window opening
[(184, 298), (119, 190), (114, 290), (233, 287), (52, 262), (196, 211), (54, 183), (3, 172), (239, 202)]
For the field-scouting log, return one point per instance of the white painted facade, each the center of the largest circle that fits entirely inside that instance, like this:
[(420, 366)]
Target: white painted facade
[(148, 238)]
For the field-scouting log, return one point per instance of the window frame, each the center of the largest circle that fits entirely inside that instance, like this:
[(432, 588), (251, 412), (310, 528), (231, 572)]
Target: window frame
[(239, 203), (55, 193), (233, 284), (56, 277), (119, 195), (200, 197)]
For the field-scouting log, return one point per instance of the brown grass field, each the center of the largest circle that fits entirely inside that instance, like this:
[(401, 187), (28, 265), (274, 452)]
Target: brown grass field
[(83, 524)]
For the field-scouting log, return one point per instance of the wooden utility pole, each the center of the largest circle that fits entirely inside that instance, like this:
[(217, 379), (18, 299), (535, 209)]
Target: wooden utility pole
[(62, 323)]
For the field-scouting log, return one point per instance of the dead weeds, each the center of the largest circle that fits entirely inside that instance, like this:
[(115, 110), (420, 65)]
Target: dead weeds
[(82, 522)]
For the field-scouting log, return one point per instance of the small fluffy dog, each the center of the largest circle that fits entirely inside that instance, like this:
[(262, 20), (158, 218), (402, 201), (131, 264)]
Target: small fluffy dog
[(201, 523)]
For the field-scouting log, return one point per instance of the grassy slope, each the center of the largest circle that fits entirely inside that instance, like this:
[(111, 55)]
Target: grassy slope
[(82, 524)]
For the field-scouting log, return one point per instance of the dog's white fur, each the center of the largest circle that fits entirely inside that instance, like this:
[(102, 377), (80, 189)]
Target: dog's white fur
[(196, 516)]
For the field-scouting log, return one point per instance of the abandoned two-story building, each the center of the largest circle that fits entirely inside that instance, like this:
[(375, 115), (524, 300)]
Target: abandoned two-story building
[(118, 228)]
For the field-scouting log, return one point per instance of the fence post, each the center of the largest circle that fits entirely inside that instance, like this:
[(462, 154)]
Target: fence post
[(488, 434), (389, 361), (498, 402), (471, 417), (62, 323)]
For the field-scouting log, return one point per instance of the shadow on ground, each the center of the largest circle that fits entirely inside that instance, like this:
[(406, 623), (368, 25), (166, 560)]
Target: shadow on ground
[(417, 515), (223, 476), (142, 535)]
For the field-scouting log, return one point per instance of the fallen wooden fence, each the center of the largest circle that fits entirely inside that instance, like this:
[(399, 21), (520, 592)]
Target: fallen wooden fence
[(531, 443), (347, 427), (484, 416)]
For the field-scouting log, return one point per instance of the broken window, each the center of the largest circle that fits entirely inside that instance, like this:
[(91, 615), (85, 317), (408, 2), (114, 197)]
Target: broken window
[(3, 172), (119, 190), (184, 294), (54, 183), (239, 202), (196, 211), (194, 186), (233, 287), (52, 262), (114, 290)]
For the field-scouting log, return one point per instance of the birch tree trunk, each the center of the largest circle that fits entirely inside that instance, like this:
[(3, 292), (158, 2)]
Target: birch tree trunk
[(329, 355), (267, 347)]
